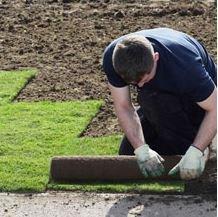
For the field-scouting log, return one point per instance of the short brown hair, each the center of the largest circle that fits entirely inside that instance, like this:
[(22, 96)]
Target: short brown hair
[(133, 58)]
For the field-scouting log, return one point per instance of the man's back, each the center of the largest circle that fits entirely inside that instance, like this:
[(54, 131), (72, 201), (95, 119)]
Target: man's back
[(184, 67)]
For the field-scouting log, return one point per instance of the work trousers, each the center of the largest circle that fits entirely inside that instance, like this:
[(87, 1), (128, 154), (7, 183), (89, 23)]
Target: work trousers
[(169, 122)]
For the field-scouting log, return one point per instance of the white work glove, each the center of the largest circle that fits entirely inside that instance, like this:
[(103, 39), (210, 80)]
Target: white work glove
[(149, 161), (192, 164)]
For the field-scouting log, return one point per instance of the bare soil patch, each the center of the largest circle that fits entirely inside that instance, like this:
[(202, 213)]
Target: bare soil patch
[(65, 41)]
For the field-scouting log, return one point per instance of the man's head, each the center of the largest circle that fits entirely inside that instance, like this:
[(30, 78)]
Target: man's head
[(134, 58)]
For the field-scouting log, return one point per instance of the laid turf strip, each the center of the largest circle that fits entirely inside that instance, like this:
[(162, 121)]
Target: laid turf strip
[(31, 133)]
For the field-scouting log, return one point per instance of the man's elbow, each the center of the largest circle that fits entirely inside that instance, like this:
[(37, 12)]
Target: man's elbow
[(124, 108)]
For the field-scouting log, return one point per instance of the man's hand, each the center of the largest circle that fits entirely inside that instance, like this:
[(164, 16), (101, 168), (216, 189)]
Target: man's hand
[(149, 161), (192, 164)]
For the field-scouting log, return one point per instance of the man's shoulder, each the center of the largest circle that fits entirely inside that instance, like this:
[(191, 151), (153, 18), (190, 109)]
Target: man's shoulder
[(110, 47), (113, 78)]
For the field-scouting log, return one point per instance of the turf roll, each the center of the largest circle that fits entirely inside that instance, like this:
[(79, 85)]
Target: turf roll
[(102, 168)]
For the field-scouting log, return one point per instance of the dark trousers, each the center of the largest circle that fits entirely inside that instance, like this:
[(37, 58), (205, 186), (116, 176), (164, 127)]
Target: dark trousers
[(170, 123)]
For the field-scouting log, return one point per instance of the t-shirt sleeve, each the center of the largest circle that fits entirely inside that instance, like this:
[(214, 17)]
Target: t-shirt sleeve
[(199, 84), (113, 78)]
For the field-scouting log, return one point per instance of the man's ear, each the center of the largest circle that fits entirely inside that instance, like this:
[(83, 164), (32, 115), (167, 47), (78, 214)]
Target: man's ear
[(156, 56)]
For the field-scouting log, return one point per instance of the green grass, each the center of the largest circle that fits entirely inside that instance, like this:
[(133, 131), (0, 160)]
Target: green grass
[(11, 83), (31, 133), (127, 187)]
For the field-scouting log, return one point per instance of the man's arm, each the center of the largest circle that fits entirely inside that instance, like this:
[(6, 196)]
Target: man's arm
[(127, 115), (208, 127), (193, 162), (148, 160)]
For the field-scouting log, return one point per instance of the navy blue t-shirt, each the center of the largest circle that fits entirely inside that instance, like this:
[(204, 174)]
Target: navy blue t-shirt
[(184, 66)]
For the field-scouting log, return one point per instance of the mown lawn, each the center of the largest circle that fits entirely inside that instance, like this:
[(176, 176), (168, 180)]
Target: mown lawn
[(31, 133)]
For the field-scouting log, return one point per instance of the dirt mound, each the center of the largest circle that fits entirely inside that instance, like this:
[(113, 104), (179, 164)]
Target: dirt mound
[(65, 41)]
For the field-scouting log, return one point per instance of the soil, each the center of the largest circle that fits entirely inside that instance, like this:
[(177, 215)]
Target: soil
[(65, 40)]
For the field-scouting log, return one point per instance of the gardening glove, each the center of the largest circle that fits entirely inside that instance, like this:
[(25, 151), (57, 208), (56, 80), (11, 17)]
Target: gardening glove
[(192, 164), (149, 161)]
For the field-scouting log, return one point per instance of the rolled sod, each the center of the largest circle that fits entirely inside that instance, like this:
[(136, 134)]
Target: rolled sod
[(103, 168)]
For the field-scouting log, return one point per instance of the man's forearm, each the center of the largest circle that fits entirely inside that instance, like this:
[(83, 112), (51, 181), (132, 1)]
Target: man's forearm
[(131, 125), (207, 130)]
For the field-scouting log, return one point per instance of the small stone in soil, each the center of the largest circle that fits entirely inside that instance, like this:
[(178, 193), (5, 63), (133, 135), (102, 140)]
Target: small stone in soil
[(106, 198)]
